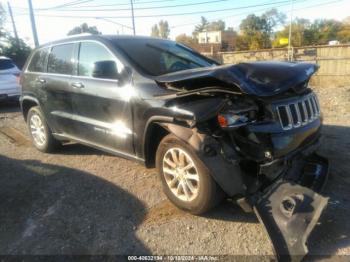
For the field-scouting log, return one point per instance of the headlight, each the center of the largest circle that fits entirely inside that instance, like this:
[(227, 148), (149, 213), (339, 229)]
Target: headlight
[(237, 113), (230, 119)]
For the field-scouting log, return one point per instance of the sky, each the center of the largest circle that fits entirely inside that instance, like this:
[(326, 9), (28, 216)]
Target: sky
[(114, 16)]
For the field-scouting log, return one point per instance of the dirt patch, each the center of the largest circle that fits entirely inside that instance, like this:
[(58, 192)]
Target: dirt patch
[(162, 213), (14, 136)]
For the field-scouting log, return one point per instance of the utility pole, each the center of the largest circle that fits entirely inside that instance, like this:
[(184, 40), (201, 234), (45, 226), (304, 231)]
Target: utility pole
[(13, 24), (32, 20), (133, 17), (290, 32)]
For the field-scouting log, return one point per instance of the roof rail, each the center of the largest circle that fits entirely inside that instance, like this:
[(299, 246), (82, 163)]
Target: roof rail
[(75, 35)]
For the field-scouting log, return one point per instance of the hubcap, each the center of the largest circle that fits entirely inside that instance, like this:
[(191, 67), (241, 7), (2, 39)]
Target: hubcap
[(37, 130), (181, 174)]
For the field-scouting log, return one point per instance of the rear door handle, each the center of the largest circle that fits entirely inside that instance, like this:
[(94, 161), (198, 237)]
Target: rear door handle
[(77, 85), (41, 80)]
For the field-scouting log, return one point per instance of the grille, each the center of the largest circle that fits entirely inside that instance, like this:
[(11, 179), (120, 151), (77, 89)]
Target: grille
[(298, 113)]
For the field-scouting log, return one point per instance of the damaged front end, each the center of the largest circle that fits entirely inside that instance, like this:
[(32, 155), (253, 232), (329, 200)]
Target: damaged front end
[(256, 126)]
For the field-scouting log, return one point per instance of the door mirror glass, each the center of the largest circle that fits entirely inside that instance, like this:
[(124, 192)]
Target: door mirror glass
[(105, 69)]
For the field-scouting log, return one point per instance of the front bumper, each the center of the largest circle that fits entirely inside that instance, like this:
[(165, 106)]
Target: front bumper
[(290, 208)]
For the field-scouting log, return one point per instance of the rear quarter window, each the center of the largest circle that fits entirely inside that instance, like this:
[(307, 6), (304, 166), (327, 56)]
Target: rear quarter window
[(61, 59), (6, 64), (38, 62)]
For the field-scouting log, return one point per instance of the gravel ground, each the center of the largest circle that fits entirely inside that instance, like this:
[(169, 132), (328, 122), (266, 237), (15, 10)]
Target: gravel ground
[(83, 201)]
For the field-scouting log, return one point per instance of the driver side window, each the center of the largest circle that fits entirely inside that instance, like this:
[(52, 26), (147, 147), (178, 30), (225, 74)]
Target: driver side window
[(91, 53)]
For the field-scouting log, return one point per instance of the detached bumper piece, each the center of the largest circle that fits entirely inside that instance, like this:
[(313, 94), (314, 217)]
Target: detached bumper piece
[(289, 210)]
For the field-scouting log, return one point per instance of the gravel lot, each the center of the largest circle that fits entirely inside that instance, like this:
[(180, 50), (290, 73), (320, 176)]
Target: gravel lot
[(83, 201)]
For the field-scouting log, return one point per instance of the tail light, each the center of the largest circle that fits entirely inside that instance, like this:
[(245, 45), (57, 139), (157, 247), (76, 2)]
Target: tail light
[(18, 78)]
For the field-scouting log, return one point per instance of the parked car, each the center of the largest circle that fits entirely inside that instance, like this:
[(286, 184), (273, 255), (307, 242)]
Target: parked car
[(9, 80), (247, 131)]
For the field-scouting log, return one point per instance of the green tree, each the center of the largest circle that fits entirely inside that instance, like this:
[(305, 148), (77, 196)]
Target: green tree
[(17, 53), (325, 30), (202, 26), (161, 30), (273, 18), (302, 34), (343, 34), (155, 31), (255, 33), (218, 25), (8, 44), (84, 28), (320, 32), (164, 29), (2, 20)]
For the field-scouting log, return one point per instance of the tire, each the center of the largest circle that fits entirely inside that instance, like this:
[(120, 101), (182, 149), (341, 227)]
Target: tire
[(45, 142), (203, 193)]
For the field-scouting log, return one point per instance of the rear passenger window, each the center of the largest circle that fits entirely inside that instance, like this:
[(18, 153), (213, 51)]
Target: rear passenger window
[(61, 59), (37, 64)]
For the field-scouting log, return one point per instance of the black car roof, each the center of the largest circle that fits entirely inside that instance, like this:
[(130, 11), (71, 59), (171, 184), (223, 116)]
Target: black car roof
[(100, 37)]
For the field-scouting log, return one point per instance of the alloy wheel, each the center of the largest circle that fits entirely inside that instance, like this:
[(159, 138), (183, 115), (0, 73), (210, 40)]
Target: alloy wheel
[(181, 174), (37, 130)]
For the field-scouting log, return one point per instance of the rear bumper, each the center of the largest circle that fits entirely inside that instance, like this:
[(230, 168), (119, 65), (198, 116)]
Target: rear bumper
[(11, 97), (290, 208)]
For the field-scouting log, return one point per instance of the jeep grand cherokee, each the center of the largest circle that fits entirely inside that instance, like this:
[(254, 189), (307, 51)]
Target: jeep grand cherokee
[(247, 131)]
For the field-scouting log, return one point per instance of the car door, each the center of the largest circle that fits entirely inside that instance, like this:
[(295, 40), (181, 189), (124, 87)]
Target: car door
[(101, 102), (57, 87)]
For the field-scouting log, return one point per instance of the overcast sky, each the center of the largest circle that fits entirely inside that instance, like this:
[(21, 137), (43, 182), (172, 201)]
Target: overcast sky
[(55, 23)]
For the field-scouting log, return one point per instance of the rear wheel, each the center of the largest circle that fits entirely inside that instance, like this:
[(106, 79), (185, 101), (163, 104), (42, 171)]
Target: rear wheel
[(186, 180), (40, 132)]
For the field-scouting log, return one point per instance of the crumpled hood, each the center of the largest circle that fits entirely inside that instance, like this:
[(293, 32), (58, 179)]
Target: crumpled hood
[(255, 78)]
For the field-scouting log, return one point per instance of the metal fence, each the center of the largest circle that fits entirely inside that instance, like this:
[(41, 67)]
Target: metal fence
[(334, 61)]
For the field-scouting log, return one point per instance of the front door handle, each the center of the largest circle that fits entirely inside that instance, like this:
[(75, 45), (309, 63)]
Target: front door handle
[(77, 85)]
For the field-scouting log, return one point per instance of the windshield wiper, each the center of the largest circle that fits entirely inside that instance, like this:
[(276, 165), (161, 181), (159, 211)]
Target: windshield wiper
[(200, 91), (173, 54)]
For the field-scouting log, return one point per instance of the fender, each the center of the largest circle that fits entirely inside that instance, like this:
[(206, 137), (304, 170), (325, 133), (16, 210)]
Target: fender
[(27, 98), (152, 120), (226, 173)]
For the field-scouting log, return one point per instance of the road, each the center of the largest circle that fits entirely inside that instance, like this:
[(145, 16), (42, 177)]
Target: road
[(83, 201)]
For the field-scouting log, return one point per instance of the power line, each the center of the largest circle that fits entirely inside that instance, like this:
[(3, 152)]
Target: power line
[(73, 3), (124, 4), (113, 22), (239, 14), (172, 14), (141, 8), (259, 10)]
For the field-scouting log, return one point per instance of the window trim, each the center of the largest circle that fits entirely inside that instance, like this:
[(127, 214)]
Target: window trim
[(45, 61), (73, 76)]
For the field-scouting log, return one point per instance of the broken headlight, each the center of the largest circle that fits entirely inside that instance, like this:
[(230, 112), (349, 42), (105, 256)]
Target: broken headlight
[(237, 114), (232, 119)]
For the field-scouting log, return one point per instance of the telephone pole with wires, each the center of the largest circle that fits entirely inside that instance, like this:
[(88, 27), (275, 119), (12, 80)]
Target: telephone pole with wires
[(133, 17), (290, 55), (32, 20), (13, 23)]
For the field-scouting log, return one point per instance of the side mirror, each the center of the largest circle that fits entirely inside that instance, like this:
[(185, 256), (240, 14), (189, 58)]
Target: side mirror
[(105, 69)]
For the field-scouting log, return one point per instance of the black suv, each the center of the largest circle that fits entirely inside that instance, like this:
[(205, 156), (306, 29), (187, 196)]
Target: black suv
[(247, 132)]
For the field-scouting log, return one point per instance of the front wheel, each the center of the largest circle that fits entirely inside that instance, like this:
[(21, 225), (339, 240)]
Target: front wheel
[(186, 180)]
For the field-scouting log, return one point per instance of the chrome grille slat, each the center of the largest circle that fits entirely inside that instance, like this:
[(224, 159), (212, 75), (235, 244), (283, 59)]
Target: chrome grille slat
[(298, 113)]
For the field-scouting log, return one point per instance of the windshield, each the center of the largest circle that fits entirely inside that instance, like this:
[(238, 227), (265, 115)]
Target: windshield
[(158, 57)]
